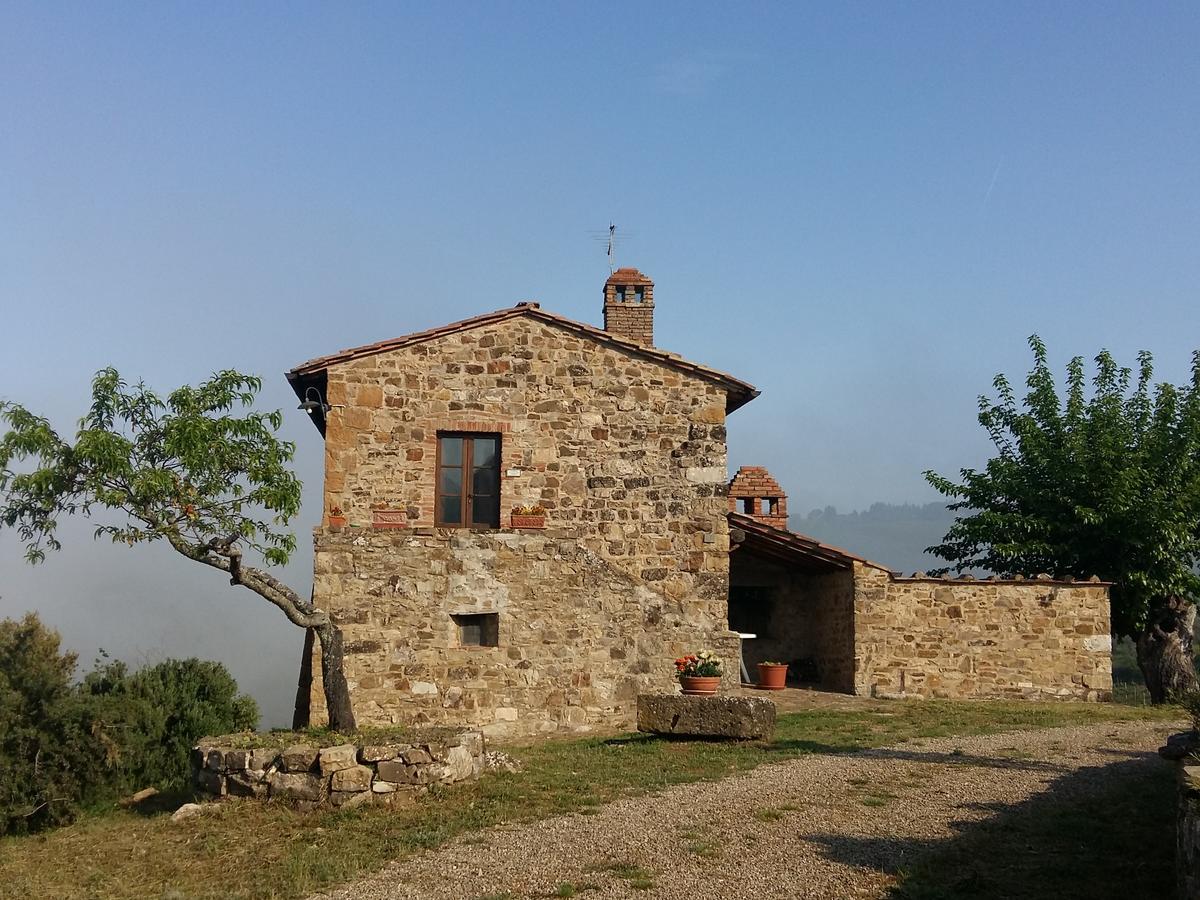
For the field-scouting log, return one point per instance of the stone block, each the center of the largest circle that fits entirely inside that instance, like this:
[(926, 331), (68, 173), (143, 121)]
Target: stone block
[(1180, 746), (396, 771), (472, 741), (245, 784), (262, 759), (297, 786), (355, 778), (417, 756), (299, 758), (215, 760), (741, 718), (349, 800), (334, 759), (460, 764), (211, 782), (381, 752)]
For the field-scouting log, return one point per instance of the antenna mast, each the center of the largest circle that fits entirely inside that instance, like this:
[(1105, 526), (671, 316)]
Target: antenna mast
[(612, 236)]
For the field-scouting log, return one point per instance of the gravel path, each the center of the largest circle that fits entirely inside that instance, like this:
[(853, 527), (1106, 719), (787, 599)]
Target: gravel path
[(815, 827)]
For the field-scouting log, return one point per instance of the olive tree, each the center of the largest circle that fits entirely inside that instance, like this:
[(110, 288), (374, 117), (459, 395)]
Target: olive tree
[(199, 470), (1104, 482)]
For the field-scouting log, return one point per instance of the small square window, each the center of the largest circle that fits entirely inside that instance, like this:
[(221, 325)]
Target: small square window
[(639, 294), (478, 629)]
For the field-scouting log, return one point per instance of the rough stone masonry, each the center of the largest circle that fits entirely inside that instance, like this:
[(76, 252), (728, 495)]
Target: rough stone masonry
[(516, 629)]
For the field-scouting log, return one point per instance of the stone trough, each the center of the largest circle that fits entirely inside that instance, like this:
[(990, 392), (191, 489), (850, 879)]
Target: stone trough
[(737, 718), (346, 775)]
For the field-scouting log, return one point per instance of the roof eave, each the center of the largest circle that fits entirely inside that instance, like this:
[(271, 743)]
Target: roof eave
[(737, 392)]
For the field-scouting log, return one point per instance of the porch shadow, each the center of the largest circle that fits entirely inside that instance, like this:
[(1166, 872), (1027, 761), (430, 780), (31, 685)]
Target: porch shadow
[(1098, 832)]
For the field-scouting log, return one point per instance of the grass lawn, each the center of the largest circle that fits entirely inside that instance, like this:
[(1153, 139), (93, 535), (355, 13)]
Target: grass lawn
[(254, 850)]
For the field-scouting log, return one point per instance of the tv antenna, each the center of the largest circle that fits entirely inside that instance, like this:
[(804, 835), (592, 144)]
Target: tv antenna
[(608, 237)]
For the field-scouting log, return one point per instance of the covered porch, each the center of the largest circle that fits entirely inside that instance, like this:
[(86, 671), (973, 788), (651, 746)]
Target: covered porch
[(796, 596)]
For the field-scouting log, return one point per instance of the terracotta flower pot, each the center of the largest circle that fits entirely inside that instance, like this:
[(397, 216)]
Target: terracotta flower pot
[(519, 521), (697, 686), (772, 677), (337, 521)]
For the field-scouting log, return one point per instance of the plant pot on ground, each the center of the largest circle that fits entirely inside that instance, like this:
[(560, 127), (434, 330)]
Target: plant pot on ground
[(772, 676)]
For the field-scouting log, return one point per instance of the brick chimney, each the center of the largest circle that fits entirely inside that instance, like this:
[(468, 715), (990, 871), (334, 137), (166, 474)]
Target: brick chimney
[(629, 306), (760, 496)]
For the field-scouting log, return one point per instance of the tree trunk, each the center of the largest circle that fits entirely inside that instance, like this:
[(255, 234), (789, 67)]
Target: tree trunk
[(300, 712), (333, 679), (1164, 651)]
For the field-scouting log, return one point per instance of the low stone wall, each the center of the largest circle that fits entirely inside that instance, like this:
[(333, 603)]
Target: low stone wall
[(1187, 834), (345, 775), (1032, 638)]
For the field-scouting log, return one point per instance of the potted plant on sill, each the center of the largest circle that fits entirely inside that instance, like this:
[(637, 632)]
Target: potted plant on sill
[(528, 516), (699, 674), (772, 676), (336, 518)]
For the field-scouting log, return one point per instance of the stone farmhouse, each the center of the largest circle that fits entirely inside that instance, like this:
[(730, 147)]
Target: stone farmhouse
[(456, 611)]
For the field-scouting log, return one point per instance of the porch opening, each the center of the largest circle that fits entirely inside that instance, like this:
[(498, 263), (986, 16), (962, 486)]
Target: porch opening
[(797, 597)]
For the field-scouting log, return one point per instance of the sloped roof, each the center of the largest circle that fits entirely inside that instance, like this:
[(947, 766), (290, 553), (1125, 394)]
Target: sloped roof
[(790, 546), (738, 392)]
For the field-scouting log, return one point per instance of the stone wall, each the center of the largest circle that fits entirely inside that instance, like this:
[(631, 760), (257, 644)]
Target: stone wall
[(833, 617), (627, 455), (1187, 834), (346, 775), (579, 637), (961, 638)]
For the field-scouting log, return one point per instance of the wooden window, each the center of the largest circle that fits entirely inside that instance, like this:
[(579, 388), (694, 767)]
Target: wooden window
[(468, 480), (478, 629)]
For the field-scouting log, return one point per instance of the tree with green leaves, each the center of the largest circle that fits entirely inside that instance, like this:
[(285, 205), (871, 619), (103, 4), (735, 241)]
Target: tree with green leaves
[(200, 470), (1103, 482)]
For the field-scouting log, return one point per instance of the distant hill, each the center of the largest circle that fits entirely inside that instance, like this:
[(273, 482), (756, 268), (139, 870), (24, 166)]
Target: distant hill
[(894, 535)]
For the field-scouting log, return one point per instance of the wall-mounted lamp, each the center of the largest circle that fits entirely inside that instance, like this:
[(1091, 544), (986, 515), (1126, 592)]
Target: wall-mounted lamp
[(311, 404)]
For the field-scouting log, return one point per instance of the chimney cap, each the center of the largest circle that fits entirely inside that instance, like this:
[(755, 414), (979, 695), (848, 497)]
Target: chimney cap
[(628, 275)]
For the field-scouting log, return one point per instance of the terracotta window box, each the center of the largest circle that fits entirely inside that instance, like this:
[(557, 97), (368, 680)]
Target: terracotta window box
[(389, 518), (519, 521)]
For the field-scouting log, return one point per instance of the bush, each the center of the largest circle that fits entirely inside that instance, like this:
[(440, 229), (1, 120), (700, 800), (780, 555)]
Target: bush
[(66, 746), (159, 712), (1190, 701), (54, 755)]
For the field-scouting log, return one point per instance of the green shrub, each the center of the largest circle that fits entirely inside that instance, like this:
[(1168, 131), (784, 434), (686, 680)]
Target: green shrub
[(54, 755), (158, 712), (1190, 701), (66, 746)]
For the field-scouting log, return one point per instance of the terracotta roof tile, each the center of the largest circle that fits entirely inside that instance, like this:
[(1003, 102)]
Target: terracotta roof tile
[(800, 544)]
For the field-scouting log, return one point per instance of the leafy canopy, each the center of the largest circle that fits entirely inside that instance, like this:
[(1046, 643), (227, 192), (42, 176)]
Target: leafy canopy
[(198, 468), (1107, 484)]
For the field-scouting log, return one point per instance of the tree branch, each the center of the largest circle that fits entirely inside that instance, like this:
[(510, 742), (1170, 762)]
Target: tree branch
[(220, 553)]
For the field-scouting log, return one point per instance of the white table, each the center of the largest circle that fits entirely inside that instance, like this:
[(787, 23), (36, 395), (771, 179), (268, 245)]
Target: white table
[(742, 657)]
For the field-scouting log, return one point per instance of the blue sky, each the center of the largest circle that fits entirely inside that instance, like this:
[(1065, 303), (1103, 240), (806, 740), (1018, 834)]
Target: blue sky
[(862, 209)]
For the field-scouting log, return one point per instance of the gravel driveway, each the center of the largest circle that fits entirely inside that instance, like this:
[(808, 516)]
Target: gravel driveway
[(820, 826)]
